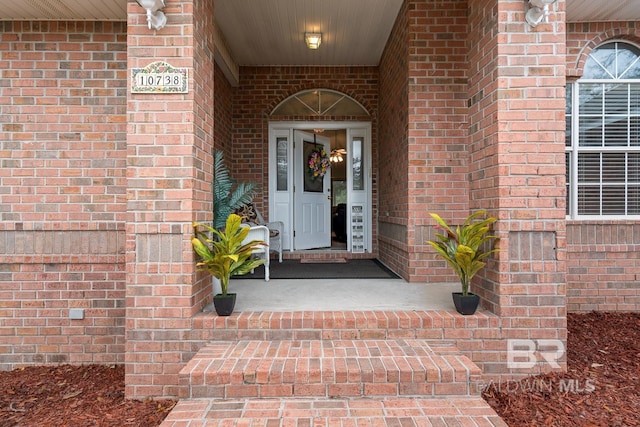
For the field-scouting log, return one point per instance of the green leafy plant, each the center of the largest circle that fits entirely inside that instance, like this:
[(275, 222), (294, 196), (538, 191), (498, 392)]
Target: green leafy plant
[(224, 255), (462, 247), (227, 196)]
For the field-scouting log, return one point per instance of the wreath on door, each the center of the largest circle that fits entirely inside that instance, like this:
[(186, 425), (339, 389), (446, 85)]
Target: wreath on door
[(319, 163)]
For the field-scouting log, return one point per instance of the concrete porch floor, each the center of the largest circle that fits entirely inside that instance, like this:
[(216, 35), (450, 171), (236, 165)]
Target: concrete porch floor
[(279, 295)]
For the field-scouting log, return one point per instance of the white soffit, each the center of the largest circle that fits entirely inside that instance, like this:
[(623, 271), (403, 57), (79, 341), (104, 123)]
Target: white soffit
[(603, 10), (67, 10)]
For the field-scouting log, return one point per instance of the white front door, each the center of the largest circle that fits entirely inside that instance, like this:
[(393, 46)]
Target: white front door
[(306, 215), (312, 194)]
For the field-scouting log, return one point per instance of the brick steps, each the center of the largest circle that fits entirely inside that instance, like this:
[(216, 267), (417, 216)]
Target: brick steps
[(298, 412), (328, 368), (330, 382), (469, 331)]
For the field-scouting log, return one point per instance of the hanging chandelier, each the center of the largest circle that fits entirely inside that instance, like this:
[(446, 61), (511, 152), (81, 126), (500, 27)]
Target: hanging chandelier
[(337, 154)]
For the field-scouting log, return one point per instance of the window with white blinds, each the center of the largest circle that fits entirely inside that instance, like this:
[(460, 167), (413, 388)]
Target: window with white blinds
[(603, 135)]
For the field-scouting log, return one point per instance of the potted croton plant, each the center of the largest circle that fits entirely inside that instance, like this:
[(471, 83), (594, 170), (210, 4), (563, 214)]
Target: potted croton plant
[(462, 248), (228, 197), (225, 254)]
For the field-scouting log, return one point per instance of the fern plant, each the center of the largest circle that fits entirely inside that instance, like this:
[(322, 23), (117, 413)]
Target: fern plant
[(227, 196), (462, 247)]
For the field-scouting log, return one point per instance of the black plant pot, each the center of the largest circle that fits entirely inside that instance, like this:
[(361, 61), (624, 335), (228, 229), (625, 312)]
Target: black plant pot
[(465, 305), (224, 304)]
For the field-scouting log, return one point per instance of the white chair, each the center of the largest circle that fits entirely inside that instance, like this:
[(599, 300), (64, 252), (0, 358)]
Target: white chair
[(251, 215), (259, 232)]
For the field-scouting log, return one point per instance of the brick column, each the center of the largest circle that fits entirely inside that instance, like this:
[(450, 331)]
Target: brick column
[(169, 171), (517, 104)]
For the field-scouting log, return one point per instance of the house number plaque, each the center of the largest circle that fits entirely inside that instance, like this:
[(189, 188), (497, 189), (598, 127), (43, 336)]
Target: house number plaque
[(159, 77)]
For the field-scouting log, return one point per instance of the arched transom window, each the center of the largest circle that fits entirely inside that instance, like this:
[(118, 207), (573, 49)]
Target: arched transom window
[(319, 102), (603, 135)]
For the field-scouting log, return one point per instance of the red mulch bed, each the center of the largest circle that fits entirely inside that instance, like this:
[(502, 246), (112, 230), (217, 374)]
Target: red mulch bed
[(603, 351), (77, 396), (600, 389)]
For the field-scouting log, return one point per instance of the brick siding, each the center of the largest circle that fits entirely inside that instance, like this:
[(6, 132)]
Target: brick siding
[(394, 102), (223, 112), (423, 73), (603, 266), (62, 191)]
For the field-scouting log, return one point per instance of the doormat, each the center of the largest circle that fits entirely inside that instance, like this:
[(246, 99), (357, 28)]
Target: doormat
[(294, 269), (323, 261)]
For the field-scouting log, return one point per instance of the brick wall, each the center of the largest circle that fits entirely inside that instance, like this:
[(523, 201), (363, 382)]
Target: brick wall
[(603, 261), (583, 37), (438, 122), (423, 127), (200, 206), (392, 146), (603, 266), (223, 107), (483, 118), (62, 191)]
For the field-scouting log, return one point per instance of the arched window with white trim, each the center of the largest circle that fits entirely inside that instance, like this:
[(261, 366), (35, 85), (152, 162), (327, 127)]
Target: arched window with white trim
[(321, 103), (603, 135)]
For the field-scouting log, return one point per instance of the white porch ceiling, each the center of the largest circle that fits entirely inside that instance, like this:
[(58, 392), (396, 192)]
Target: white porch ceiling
[(354, 32), (270, 32)]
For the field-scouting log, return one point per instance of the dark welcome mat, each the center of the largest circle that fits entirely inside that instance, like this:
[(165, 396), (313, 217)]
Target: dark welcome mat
[(353, 269)]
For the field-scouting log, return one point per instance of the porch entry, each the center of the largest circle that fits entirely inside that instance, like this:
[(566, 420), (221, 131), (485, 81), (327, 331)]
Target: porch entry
[(328, 209)]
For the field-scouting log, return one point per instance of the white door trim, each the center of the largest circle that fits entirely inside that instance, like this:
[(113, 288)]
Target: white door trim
[(281, 201)]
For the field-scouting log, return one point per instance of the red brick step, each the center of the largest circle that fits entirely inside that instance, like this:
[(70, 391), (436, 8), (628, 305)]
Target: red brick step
[(299, 412), (328, 368)]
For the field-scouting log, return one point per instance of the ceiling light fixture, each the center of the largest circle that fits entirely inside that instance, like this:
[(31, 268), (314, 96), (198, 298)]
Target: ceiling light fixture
[(313, 40), (336, 155), (538, 11), (155, 18)]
